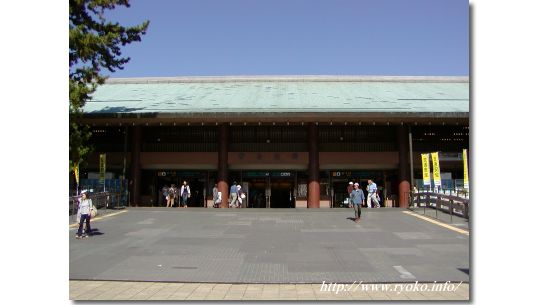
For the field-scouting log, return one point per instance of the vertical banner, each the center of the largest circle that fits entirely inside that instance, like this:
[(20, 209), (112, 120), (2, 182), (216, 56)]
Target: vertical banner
[(102, 168), (465, 171), (426, 169), (75, 169), (436, 169)]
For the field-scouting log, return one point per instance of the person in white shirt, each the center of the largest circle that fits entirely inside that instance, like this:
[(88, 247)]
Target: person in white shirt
[(185, 193), (372, 188), (84, 213), (215, 194), (218, 200)]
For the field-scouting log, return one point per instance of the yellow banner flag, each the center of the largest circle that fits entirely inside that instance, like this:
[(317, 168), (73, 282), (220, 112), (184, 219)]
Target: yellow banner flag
[(436, 169), (102, 167), (465, 171), (426, 169), (75, 169)]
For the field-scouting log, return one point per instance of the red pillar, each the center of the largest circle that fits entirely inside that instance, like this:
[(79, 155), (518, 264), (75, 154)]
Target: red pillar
[(404, 186), (313, 167), (222, 175), (135, 165)]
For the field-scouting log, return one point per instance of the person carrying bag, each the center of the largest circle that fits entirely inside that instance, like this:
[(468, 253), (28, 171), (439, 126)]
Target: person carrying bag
[(84, 213)]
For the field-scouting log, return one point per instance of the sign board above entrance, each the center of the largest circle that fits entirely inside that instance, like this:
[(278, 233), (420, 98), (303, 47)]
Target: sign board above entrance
[(185, 174), (355, 174), (257, 174)]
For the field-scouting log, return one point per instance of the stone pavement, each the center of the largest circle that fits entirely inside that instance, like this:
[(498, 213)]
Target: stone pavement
[(244, 247), (111, 290)]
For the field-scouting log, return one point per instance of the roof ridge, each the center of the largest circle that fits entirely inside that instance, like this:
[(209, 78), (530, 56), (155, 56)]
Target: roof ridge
[(286, 78)]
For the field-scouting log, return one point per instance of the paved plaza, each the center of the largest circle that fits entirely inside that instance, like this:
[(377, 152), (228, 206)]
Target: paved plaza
[(200, 253)]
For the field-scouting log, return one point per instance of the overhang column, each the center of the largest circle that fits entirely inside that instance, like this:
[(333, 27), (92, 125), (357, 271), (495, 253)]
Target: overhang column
[(222, 175), (404, 186), (313, 167), (135, 165)]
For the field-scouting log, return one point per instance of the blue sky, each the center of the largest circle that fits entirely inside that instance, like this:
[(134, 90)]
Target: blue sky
[(297, 37)]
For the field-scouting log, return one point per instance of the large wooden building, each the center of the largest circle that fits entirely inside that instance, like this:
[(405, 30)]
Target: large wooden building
[(289, 141)]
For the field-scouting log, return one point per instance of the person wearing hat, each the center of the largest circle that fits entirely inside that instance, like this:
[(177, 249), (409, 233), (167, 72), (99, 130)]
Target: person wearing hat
[(84, 213), (240, 196), (349, 190), (357, 198), (233, 194)]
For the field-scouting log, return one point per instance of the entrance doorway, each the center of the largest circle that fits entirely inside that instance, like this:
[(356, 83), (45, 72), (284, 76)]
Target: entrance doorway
[(197, 192), (196, 180), (160, 182), (282, 193), (341, 195), (256, 193)]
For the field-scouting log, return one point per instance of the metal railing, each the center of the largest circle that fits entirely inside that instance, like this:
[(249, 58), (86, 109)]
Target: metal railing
[(102, 200), (440, 205), (448, 187)]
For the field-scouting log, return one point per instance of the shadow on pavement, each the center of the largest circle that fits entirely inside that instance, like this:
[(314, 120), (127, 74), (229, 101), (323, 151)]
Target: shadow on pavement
[(95, 232)]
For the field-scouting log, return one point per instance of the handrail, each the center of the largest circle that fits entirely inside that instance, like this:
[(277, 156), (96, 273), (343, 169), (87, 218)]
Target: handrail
[(99, 200), (454, 205)]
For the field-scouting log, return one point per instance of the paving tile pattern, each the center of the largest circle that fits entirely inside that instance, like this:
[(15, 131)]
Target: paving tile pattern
[(106, 290), (268, 246)]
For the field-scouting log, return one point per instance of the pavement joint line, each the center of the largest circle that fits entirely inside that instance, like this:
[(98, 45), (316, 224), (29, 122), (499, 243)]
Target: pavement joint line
[(444, 225), (100, 217)]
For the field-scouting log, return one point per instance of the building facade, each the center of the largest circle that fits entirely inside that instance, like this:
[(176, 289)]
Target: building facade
[(289, 141)]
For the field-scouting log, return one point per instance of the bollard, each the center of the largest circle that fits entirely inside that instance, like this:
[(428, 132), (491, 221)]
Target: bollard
[(436, 206), (451, 203), (72, 208), (427, 202)]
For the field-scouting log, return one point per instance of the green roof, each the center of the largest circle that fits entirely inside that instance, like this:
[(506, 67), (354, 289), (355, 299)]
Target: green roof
[(187, 96)]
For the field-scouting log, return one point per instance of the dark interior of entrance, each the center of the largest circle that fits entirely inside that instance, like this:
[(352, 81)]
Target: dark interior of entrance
[(160, 182), (340, 194), (197, 191), (282, 194), (256, 194)]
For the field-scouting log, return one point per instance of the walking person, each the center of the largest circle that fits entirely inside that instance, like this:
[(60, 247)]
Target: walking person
[(185, 194), (165, 194), (84, 213), (240, 196), (218, 200), (215, 195), (372, 194), (349, 190), (233, 194), (172, 193), (414, 196), (380, 195), (357, 199)]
